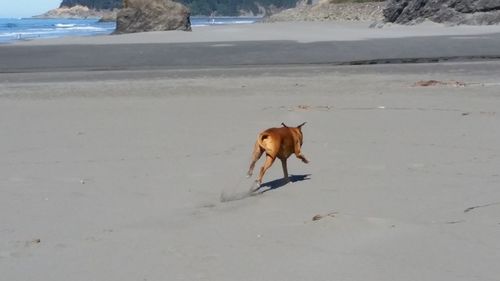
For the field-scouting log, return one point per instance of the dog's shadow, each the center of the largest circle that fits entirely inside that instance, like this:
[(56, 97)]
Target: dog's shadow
[(275, 184)]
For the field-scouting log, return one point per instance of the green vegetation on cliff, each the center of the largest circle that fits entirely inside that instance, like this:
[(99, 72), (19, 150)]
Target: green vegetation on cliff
[(204, 7), (233, 7), (93, 4), (197, 7)]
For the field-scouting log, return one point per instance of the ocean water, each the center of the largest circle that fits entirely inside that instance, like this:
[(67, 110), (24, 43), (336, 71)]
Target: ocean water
[(12, 30)]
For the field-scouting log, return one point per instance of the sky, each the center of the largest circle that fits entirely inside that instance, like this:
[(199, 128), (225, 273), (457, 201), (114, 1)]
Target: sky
[(26, 8)]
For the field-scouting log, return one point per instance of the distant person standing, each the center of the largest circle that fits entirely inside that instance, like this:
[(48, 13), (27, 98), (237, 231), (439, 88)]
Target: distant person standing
[(188, 22), (212, 18)]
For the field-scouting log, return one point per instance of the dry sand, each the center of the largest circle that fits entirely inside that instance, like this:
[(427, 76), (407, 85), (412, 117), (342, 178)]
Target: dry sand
[(117, 176)]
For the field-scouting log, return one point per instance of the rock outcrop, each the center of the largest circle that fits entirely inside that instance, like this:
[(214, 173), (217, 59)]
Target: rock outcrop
[(474, 12), (329, 10), (75, 12), (93, 4), (152, 15), (109, 17)]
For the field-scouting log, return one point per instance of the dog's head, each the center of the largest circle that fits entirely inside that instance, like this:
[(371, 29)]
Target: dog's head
[(296, 131)]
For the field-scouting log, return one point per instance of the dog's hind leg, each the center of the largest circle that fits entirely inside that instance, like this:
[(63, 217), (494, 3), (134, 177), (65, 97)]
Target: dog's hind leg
[(257, 153), (285, 170), (263, 169)]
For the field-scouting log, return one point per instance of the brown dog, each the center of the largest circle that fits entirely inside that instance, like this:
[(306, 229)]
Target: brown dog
[(277, 142)]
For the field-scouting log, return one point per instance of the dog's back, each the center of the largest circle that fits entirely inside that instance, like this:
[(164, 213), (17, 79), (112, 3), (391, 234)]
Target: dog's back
[(277, 142)]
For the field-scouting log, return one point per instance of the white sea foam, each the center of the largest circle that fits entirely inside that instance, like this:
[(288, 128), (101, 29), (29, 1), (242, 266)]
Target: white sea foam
[(64, 25), (27, 29), (85, 28), (244, 22), (232, 22)]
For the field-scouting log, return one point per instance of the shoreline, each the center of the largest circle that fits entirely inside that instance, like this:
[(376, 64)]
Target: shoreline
[(256, 45), (85, 28), (276, 31)]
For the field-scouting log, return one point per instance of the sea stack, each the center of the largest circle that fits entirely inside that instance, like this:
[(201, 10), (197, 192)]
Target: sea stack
[(152, 15)]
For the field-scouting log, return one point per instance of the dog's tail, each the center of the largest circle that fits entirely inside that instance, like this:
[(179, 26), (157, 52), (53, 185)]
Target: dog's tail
[(263, 140)]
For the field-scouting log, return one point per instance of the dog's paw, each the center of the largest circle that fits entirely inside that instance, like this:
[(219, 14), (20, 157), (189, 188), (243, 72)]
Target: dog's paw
[(255, 186)]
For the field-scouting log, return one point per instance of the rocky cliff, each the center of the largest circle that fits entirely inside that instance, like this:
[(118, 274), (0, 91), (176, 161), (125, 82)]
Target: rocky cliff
[(474, 12), (330, 10)]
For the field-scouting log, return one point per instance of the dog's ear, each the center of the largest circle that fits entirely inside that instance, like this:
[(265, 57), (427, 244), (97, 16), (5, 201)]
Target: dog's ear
[(283, 124), (300, 126)]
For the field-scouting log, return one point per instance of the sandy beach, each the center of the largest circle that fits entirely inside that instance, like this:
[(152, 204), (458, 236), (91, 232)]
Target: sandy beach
[(118, 174)]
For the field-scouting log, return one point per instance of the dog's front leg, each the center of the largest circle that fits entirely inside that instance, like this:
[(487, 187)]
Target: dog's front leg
[(285, 170), (299, 154), (303, 158)]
